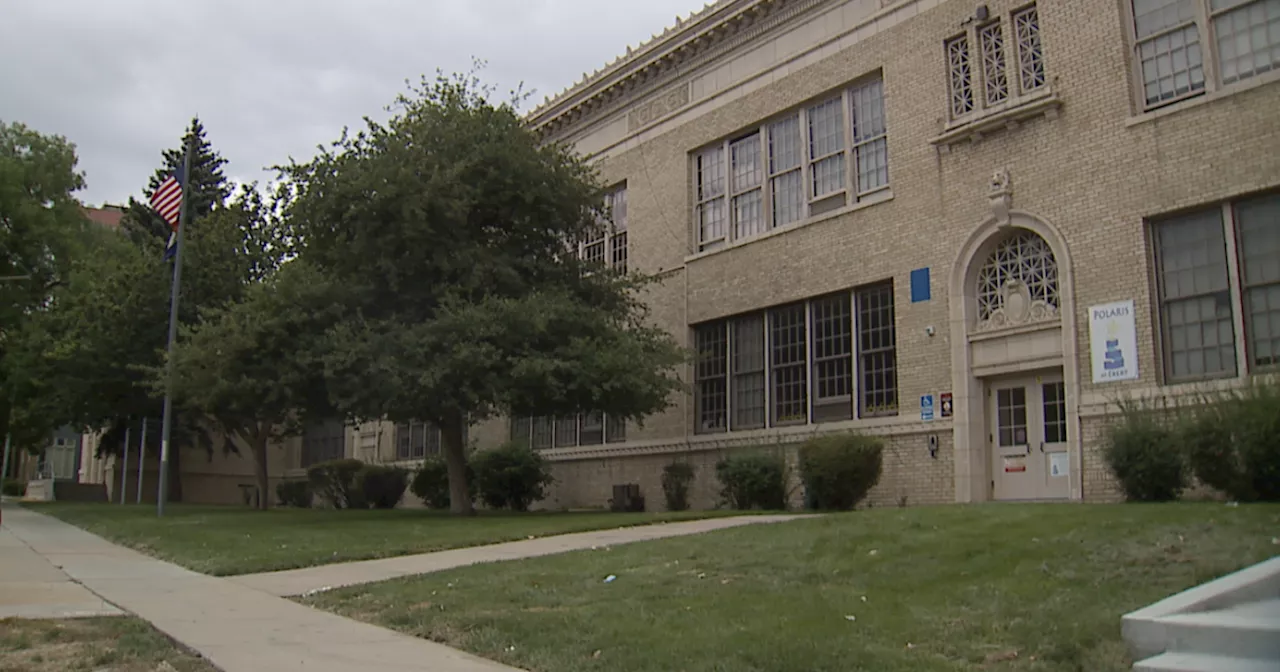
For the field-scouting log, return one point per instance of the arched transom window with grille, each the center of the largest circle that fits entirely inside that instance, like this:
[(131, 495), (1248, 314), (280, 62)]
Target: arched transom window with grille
[(1018, 282)]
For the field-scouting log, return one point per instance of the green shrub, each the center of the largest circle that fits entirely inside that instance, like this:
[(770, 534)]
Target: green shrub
[(1233, 443), (334, 482), (294, 493), (431, 483), (14, 488), (1145, 458), (753, 481), (381, 486), (676, 478), (510, 476), (839, 470)]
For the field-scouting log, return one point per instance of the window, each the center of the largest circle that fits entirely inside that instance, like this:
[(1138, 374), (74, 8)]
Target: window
[(710, 371), (583, 429), (323, 441), (1006, 72), (1025, 258), (1170, 38), (1196, 274), (795, 364), (608, 246), (877, 351), (832, 338), (797, 166), (1055, 412), (416, 440)]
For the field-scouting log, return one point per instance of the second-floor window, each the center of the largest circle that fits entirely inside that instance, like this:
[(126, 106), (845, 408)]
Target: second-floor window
[(1182, 47), (813, 160), (994, 62), (608, 247)]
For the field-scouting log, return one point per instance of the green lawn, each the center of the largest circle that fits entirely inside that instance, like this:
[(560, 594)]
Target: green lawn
[(1005, 587), (231, 540), (116, 644)]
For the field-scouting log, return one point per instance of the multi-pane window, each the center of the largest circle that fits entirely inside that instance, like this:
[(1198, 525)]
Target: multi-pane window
[(796, 364), (800, 165), (1002, 71), (583, 429), (1181, 47), (1198, 278), (877, 351), (748, 373), (710, 372), (416, 440), (1055, 412), (608, 244), (323, 441)]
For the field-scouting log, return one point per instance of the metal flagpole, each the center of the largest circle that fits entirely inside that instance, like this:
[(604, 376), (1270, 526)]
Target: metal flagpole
[(142, 456), (166, 424), (124, 470)]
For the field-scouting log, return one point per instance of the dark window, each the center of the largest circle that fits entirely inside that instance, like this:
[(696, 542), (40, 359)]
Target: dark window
[(711, 386), (877, 351), (324, 441), (1258, 221), (1195, 296), (832, 336), (748, 372), (787, 364)]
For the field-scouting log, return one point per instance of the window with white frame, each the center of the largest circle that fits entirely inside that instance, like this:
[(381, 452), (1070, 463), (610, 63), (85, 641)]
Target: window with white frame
[(583, 429), (1001, 69), (1182, 47), (819, 158), (1218, 271), (607, 245), (796, 364)]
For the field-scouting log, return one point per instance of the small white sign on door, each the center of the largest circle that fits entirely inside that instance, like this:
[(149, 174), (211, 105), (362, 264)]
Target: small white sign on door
[(1113, 339), (1059, 464)]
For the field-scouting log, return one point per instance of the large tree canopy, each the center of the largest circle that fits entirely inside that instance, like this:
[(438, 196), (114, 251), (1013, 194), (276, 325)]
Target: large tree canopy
[(451, 230)]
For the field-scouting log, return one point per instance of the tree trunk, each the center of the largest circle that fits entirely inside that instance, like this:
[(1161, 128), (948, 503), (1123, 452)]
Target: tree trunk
[(259, 445), (455, 458)]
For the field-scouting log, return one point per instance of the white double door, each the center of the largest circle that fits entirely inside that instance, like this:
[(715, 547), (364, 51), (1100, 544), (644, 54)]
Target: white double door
[(1027, 437)]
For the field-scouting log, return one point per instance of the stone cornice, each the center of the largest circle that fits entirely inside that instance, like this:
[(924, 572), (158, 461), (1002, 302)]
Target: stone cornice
[(704, 37)]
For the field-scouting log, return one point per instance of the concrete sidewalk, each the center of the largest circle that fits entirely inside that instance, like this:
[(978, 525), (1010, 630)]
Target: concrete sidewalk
[(325, 577), (31, 587), (237, 628)]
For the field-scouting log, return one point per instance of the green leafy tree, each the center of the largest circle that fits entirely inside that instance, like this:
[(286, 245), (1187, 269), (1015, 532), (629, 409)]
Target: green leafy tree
[(41, 229), (206, 188), (252, 368), (449, 230)]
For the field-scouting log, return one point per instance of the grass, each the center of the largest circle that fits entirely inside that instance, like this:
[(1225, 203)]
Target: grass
[(115, 644), (226, 540), (1003, 587)]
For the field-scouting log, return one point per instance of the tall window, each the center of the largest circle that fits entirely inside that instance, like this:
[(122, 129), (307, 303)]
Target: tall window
[(324, 441), (583, 429), (1196, 276), (1181, 47), (608, 244), (1005, 67), (800, 165), (796, 364)]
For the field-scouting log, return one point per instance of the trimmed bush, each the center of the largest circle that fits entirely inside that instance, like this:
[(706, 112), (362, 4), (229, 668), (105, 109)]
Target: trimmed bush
[(753, 481), (1233, 443), (334, 482), (382, 486), (510, 476), (676, 478), (1145, 459), (14, 488), (431, 483), (294, 493), (839, 470)]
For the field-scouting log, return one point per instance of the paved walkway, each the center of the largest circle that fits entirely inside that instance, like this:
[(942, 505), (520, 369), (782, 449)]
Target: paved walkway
[(325, 577), (243, 625), (237, 628)]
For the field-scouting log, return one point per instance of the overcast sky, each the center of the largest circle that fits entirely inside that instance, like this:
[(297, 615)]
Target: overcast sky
[(273, 78)]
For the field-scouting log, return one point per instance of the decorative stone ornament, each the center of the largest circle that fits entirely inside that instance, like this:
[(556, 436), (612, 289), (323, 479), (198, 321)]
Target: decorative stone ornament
[(1000, 194)]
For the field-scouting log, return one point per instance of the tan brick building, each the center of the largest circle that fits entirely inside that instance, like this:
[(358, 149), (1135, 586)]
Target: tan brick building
[(916, 218)]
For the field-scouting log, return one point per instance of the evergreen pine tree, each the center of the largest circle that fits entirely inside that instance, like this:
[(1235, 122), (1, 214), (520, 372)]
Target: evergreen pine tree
[(205, 189)]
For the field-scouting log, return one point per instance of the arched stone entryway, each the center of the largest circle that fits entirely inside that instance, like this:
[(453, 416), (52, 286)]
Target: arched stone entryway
[(1013, 354)]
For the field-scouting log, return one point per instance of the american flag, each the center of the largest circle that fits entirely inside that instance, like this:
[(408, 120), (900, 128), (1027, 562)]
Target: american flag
[(167, 201)]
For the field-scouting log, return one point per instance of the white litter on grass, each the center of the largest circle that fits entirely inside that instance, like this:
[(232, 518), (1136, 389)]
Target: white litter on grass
[(850, 618), (610, 579), (864, 598), (317, 591), (873, 552)]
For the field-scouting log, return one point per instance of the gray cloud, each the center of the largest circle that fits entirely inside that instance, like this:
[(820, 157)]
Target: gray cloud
[(272, 79)]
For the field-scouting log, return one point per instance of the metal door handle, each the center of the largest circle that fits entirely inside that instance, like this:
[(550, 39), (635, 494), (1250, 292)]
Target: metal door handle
[(1042, 446)]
